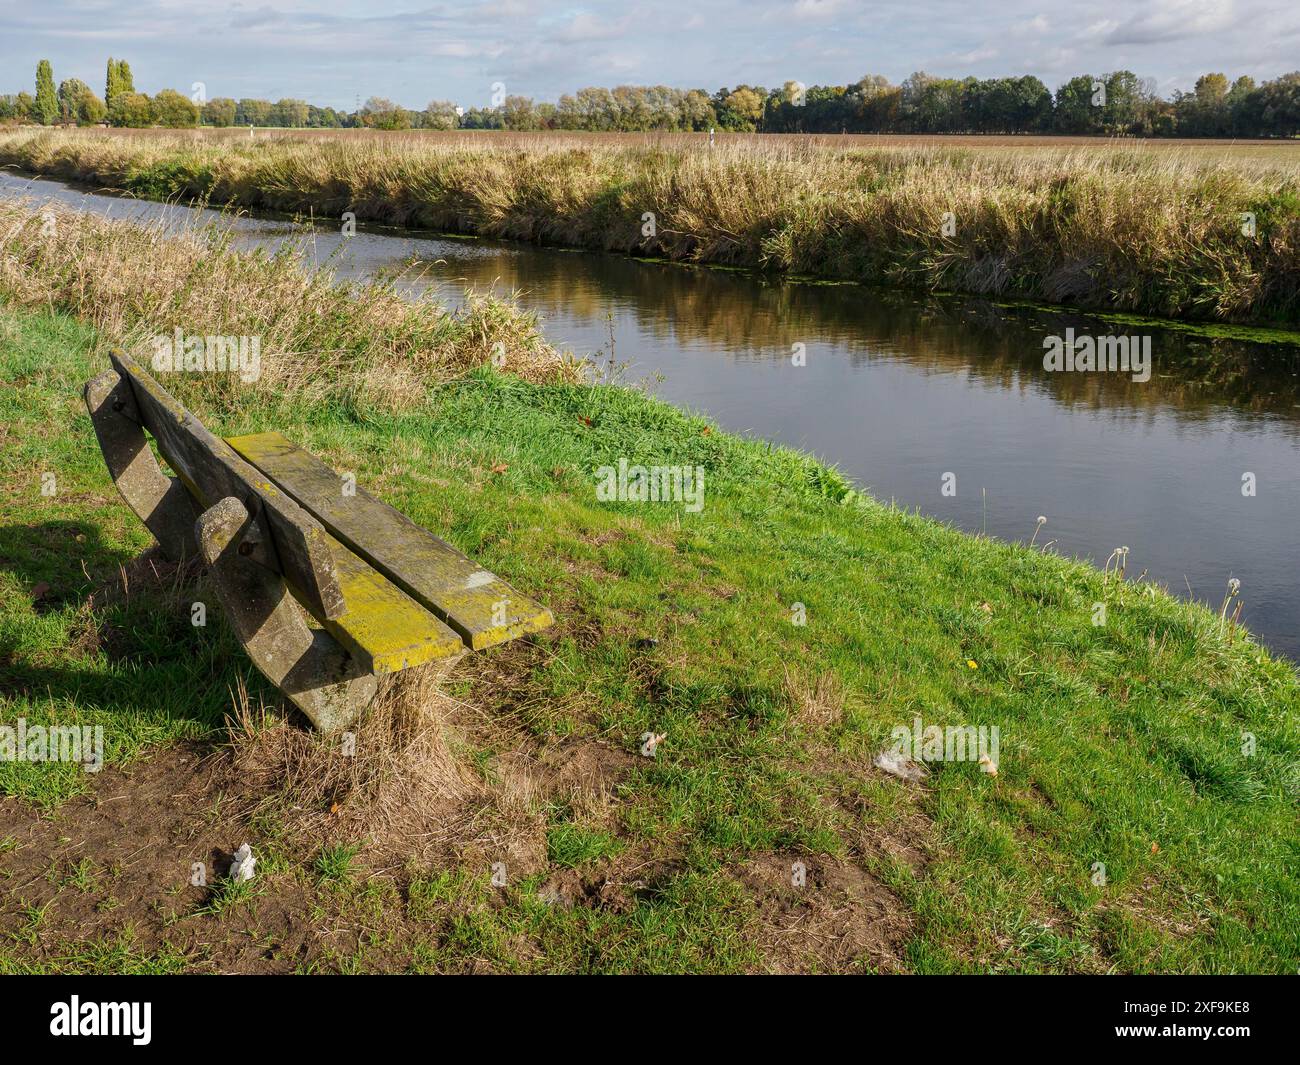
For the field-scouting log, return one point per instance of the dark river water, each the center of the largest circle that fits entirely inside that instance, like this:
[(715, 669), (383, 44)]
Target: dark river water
[(898, 391)]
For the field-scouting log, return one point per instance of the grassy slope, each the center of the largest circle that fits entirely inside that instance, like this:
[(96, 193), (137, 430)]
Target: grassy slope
[(1114, 739), (1102, 227)]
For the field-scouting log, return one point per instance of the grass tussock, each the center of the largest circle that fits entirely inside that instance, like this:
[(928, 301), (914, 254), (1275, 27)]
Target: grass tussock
[(395, 781), (363, 344), (1157, 231)]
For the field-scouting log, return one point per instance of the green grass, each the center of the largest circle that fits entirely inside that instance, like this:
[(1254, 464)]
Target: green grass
[(572, 846), (334, 863), (228, 895), (118, 955), (1121, 744)]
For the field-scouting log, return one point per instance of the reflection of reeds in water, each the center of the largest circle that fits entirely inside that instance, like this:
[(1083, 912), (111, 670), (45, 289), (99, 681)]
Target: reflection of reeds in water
[(749, 317), (1146, 229)]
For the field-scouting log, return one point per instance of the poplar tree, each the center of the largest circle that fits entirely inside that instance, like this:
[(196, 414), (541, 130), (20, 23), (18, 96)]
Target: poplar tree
[(46, 107)]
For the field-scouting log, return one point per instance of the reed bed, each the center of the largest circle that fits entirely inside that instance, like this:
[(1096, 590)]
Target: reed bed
[(1104, 226), (364, 344)]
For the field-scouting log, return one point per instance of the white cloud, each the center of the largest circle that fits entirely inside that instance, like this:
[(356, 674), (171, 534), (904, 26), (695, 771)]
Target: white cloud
[(977, 55), (1031, 27), (1173, 20), (1100, 28), (817, 9), (585, 26)]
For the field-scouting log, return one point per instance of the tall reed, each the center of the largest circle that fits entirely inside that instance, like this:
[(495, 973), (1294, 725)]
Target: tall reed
[(1173, 232), (353, 342)]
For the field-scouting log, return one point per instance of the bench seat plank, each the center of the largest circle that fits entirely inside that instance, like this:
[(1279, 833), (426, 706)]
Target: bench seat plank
[(478, 605), (383, 627)]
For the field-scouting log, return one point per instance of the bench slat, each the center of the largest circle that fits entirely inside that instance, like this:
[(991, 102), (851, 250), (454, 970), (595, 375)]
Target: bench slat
[(211, 471), (428, 569), (384, 628)]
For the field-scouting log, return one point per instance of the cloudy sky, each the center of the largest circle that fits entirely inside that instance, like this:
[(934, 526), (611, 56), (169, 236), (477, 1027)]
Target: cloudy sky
[(414, 50)]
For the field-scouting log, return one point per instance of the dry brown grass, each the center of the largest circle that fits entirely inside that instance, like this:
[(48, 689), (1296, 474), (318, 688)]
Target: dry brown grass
[(397, 782), (817, 702), (361, 343), (1270, 151), (1141, 226), (423, 776)]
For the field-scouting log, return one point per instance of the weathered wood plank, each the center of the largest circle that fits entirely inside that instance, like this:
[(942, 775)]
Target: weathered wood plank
[(384, 628), (478, 605), (211, 471)]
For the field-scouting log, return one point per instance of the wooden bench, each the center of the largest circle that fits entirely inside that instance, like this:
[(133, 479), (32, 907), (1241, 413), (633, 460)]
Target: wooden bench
[(326, 586)]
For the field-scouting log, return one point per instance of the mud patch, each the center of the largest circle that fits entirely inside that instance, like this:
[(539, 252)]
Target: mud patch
[(569, 888), (841, 920), (581, 765), (123, 872)]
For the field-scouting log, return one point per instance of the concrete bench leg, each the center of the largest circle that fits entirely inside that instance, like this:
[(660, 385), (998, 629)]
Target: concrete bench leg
[(307, 664), (161, 502)]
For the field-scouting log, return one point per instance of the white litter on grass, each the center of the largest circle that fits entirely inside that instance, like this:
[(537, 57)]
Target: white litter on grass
[(899, 765), (242, 867)]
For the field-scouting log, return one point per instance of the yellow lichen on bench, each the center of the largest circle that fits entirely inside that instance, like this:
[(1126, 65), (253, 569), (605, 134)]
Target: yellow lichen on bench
[(384, 628), (476, 603)]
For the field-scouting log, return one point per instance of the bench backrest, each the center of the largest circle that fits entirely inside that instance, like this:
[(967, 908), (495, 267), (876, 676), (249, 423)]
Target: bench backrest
[(393, 594), (292, 541)]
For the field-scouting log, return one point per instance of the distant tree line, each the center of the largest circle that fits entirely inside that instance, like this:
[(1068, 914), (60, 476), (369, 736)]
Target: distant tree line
[(1115, 104), (75, 102), (377, 113)]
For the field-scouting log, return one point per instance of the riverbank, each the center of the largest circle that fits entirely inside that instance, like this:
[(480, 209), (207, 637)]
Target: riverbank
[(1100, 227), (776, 638)]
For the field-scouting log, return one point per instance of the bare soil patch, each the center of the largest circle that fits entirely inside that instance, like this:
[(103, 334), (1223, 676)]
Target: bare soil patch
[(841, 919), (141, 859)]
